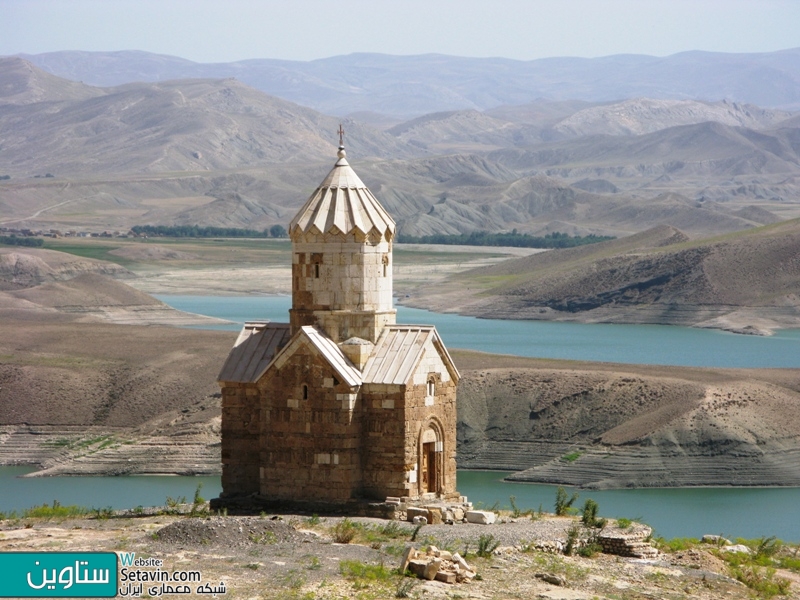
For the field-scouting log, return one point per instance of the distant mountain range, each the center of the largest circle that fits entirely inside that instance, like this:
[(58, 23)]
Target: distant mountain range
[(218, 152), (408, 86)]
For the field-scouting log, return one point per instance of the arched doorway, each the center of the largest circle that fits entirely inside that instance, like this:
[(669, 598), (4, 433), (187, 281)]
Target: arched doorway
[(430, 459)]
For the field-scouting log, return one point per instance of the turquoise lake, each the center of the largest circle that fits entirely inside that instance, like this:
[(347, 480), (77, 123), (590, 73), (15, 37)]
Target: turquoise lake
[(673, 512), (644, 344), (734, 512)]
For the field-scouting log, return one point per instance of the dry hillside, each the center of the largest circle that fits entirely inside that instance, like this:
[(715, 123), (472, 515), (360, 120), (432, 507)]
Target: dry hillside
[(628, 425), (748, 281)]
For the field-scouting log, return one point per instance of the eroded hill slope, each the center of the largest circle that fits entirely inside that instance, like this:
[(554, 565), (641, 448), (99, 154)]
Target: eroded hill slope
[(748, 282), (605, 425)]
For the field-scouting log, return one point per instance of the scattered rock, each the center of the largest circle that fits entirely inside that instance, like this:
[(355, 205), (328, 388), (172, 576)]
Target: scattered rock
[(482, 517), (436, 564), (736, 548), (550, 578), (717, 540)]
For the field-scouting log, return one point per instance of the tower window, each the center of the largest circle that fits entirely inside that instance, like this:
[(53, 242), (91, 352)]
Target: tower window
[(316, 270), (431, 387), (305, 392), (385, 265)]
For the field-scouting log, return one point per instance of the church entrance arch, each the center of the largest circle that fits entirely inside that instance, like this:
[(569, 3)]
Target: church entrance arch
[(430, 458)]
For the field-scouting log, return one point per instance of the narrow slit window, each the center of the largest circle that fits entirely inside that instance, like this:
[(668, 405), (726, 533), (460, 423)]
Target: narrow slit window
[(316, 270), (305, 392), (431, 388)]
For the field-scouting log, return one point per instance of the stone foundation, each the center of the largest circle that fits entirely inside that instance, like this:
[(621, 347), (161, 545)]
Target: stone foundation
[(632, 543), (392, 509)]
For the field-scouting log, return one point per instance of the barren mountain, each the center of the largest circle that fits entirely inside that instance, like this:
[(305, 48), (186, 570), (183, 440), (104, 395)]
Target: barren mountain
[(747, 282), (707, 148), (189, 125), (464, 131), (645, 115), (416, 85), (23, 83), (537, 122), (215, 152)]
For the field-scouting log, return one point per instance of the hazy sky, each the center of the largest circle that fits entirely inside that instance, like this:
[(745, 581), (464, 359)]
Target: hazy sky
[(226, 30)]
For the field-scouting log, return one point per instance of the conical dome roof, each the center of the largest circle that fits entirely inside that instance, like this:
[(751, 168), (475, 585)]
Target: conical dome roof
[(342, 203)]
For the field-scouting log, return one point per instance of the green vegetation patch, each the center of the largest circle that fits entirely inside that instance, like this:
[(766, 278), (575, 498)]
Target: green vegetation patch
[(52, 511), (514, 239), (29, 242), (357, 570), (97, 251), (195, 231), (347, 531), (572, 456)]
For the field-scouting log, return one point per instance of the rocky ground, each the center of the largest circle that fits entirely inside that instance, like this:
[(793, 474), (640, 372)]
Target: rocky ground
[(297, 556)]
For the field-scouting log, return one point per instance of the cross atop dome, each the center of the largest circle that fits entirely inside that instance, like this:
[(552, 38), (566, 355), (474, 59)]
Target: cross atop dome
[(341, 153)]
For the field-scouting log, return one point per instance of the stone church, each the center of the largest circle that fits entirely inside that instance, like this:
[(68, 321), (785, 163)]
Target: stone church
[(341, 403)]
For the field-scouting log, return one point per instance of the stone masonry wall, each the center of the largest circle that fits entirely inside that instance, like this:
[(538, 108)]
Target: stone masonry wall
[(383, 441), (438, 413), (240, 439), (337, 272), (310, 446)]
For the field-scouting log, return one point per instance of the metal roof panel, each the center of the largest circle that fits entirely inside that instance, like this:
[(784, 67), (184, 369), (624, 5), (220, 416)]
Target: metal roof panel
[(257, 344)]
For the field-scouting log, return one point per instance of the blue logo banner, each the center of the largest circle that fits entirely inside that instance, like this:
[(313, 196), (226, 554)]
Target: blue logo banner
[(58, 574)]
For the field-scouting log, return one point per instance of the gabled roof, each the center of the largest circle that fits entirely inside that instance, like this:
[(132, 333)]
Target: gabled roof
[(399, 350), (255, 347), (327, 347), (341, 204)]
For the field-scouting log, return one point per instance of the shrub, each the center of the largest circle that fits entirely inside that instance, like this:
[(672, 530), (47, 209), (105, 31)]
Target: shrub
[(766, 547), (590, 549), (676, 544), (103, 513), (589, 515), (344, 531), (267, 538), (563, 504), (487, 545), (572, 538), (517, 512), (355, 569), (762, 581), (198, 501), (624, 523), (405, 587), (46, 511)]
